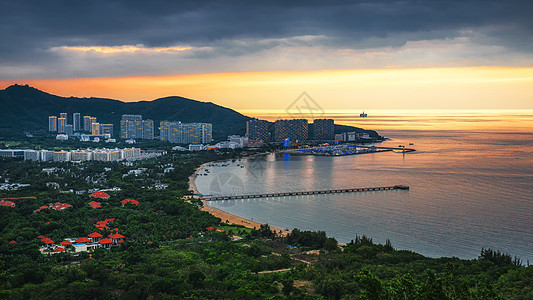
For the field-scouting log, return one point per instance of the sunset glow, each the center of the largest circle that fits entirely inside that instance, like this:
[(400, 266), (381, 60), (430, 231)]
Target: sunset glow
[(450, 88)]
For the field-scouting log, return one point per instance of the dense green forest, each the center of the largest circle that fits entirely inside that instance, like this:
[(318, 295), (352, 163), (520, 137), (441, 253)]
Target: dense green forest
[(173, 250)]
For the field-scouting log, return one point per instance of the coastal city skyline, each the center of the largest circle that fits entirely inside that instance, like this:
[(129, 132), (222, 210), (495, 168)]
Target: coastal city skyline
[(133, 127)]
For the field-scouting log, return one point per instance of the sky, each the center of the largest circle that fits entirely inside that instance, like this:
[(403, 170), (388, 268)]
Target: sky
[(262, 55)]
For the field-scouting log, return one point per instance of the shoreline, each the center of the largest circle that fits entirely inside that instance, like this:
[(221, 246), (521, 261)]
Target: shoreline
[(225, 216)]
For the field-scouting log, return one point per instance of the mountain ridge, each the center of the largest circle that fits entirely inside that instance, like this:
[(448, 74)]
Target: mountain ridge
[(29, 106)]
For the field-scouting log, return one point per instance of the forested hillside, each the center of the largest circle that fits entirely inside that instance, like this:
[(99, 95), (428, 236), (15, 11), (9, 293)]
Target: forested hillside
[(172, 250)]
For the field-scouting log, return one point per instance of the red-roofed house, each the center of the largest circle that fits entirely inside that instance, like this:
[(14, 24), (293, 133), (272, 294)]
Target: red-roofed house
[(210, 228), (57, 206), (12, 242), (62, 206), (102, 195), (41, 237), (59, 249), (7, 203), (120, 241), (47, 241), (95, 204), (83, 240), (132, 201), (95, 236), (106, 243), (65, 243), (115, 237)]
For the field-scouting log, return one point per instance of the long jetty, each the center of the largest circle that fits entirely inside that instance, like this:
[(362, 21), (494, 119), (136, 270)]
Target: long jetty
[(285, 194)]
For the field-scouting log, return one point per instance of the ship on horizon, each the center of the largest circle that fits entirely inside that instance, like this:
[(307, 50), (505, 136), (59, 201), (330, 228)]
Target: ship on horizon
[(363, 115)]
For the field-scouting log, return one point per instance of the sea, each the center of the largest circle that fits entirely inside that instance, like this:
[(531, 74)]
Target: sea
[(470, 179)]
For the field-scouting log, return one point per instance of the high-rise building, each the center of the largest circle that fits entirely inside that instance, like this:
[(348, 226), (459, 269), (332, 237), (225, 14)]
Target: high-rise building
[(131, 127), (76, 121), (106, 129), (164, 130), (52, 123), (61, 155), (186, 133), (63, 115), (324, 129), (95, 128), (69, 129), (291, 129), (207, 133), (257, 130), (61, 123), (148, 129), (87, 123), (134, 127)]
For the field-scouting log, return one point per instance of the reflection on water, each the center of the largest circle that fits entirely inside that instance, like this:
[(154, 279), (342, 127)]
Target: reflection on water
[(469, 189), (478, 120)]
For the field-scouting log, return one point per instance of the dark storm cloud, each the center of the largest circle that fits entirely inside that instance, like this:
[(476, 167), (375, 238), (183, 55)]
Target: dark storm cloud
[(29, 29)]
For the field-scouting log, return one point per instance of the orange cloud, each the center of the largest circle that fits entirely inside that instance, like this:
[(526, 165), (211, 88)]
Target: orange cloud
[(123, 49)]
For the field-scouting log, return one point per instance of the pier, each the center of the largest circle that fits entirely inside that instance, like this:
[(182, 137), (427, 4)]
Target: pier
[(285, 194)]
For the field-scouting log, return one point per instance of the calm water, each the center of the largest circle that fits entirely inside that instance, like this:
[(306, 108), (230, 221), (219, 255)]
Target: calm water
[(469, 188)]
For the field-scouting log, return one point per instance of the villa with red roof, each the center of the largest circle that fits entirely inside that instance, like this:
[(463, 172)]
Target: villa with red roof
[(132, 201), (82, 244), (95, 236), (116, 237), (89, 243), (47, 241), (83, 240), (56, 206), (106, 243), (102, 195), (65, 243), (61, 206)]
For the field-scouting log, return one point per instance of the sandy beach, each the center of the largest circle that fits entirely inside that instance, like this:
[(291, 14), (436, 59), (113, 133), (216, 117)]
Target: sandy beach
[(224, 216)]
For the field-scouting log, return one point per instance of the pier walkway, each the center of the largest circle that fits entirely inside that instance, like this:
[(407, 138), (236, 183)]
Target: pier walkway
[(284, 194)]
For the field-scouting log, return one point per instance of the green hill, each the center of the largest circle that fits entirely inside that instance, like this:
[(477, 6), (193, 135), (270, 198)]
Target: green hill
[(25, 108)]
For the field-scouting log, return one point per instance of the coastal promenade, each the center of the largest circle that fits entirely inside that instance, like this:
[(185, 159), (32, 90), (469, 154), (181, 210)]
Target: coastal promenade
[(285, 194)]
